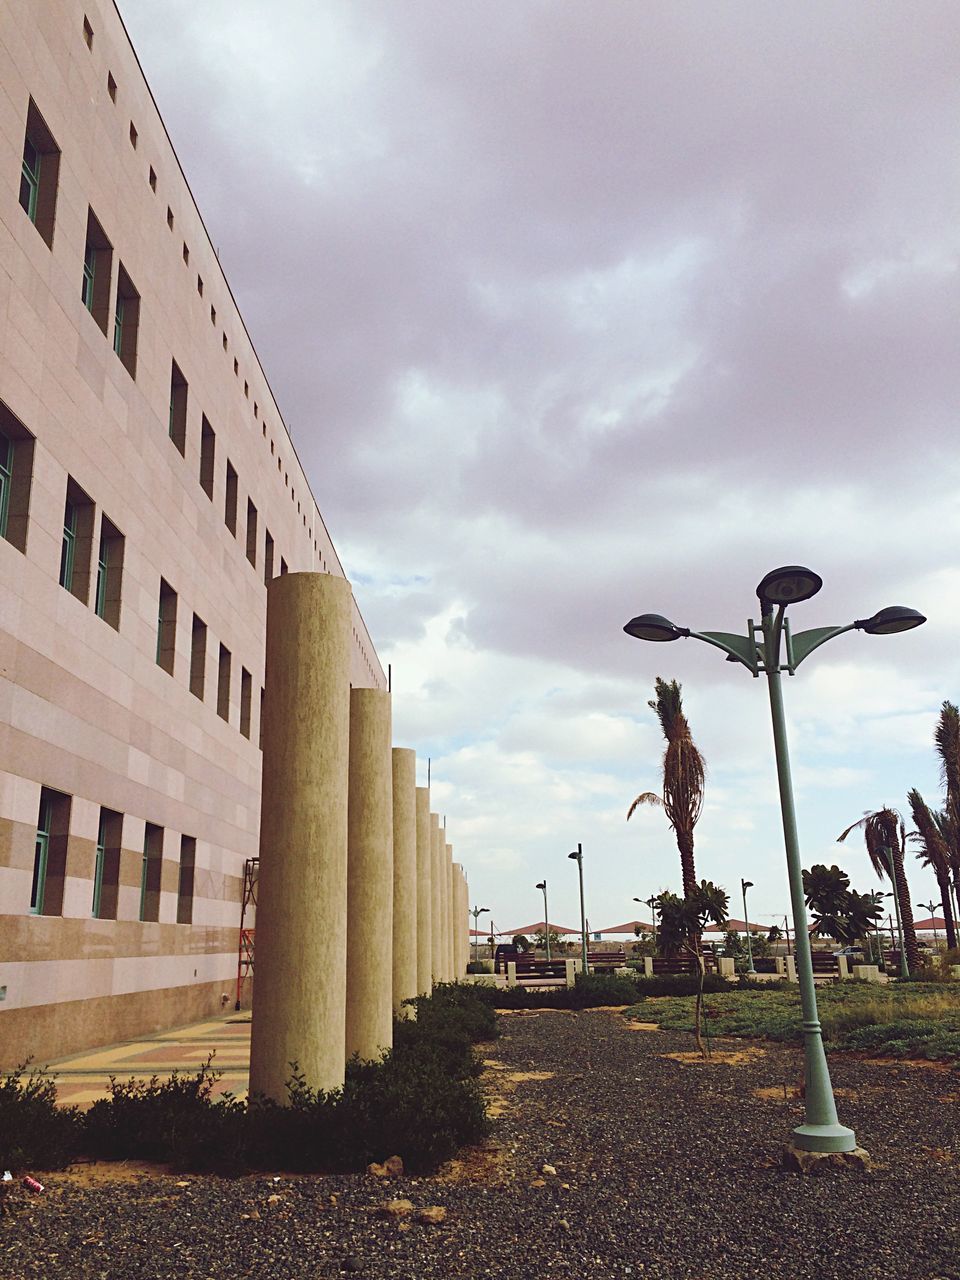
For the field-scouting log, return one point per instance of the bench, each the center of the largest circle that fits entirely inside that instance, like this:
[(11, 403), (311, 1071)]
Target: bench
[(607, 959), (683, 963)]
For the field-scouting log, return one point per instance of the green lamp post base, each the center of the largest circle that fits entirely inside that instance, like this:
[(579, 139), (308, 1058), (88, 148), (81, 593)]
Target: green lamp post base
[(824, 1137)]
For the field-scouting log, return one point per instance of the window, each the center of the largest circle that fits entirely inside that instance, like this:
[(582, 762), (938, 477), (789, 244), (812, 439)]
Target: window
[(177, 423), (87, 32), (39, 173), (200, 286), (186, 254), (260, 731), (16, 478), (213, 315), (151, 869), (169, 217), (126, 321), (198, 656), (111, 86), (97, 268), (153, 179), (208, 451), (133, 135), (223, 683), (106, 874), (230, 500), (188, 861), (246, 695), (251, 533), (77, 541), (109, 573), (267, 557), (283, 566), (224, 342), (50, 853), (167, 627)]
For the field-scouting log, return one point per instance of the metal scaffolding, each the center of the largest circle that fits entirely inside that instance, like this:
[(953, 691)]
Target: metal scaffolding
[(248, 903)]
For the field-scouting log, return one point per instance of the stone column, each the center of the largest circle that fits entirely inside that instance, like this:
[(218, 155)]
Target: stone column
[(424, 895), (448, 916), (299, 1002), (436, 898), (464, 925), (404, 878), (369, 1017)]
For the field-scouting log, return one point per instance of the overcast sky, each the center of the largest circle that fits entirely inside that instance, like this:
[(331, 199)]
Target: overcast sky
[(578, 310)]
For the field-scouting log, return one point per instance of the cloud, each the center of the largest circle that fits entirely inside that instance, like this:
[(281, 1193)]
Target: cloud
[(577, 311)]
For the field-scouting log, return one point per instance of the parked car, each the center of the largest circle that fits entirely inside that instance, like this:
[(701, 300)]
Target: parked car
[(852, 953)]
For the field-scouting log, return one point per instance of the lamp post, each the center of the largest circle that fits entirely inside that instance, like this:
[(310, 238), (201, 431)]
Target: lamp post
[(577, 856), (932, 908), (904, 970), (476, 912), (542, 884), (651, 902), (744, 886), (770, 648)]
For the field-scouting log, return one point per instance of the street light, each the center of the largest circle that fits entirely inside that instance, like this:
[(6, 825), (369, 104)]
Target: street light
[(763, 650), (651, 902), (476, 912), (577, 856), (542, 884), (744, 886), (932, 908)]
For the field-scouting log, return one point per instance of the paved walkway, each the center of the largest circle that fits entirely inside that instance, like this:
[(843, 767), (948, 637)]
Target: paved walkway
[(84, 1077)]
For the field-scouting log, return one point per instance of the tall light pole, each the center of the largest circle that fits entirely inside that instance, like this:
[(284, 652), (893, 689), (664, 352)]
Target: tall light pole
[(476, 912), (904, 970), (932, 908), (577, 856), (769, 648), (542, 884), (744, 886)]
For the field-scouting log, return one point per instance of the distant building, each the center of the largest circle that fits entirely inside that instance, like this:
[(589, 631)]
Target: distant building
[(148, 490)]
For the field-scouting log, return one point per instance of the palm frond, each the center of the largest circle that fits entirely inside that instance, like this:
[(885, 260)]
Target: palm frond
[(645, 797)]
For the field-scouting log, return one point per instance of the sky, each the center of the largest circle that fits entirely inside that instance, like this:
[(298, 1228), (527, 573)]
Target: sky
[(582, 310)]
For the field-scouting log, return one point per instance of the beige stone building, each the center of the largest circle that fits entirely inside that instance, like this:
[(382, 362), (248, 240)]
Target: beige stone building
[(148, 490)]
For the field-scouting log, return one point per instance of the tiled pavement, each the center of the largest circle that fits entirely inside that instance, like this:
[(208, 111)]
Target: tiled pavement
[(84, 1077)]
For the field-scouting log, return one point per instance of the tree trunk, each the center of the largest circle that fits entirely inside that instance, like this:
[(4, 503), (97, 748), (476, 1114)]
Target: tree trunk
[(943, 882), (906, 910), (698, 1004), (687, 869)]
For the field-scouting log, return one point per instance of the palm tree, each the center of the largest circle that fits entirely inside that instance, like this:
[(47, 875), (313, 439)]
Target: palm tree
[(947, 740), (683, 777), (935, 854), (886, 837)]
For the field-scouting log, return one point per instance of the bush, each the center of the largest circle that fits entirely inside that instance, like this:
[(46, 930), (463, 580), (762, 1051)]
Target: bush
[(909, 1038), (34, 1132)]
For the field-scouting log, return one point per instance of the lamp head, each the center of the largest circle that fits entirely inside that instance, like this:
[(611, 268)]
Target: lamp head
[(541, 884), (887, 622), (788, 585), (576, 855), (654, 626), (746, 884)]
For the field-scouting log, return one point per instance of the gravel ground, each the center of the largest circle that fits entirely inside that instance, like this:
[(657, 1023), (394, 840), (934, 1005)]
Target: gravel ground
[(663, 1169)]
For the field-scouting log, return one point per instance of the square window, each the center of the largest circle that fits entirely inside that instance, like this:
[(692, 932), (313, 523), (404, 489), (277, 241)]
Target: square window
[(200, 286), (133, 135), (153, 179), (97, 271), (87, 32), (224, 342), (111, 87), (186, 254), (16, 478), (39, 174), (170, 217), (213, 315), (126, 322)]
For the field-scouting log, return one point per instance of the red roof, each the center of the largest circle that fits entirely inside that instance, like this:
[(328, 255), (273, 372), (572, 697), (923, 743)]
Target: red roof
[(630, 927), (931, 923), (539, 927)]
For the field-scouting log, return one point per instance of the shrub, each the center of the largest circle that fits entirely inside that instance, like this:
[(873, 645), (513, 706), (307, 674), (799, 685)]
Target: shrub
[(34, 1132)]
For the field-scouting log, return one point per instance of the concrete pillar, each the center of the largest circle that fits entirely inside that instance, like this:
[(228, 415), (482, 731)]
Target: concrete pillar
[(404, 877), (424, 894), (843, 967), (448, 912), (570, 973), (299, 1005), (436, 898), (648, 966), (726, 967), (511, 973), (791, 969), (461, 934), (464, 921), (369, 1017)]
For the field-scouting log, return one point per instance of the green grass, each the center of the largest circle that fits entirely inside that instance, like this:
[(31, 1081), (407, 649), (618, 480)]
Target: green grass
[(900, 1022)]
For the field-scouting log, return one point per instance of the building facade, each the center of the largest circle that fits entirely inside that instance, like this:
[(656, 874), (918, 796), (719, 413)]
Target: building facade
[(148, 492)]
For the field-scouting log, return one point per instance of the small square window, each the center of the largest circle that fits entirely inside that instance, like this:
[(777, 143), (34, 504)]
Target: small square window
[(246, 390), (200, 285), (186, 254), (236, 367), (256, 410), (111, 87), (133, 135), (224, 342), (169, 217), (87, 32), (153, 178), (213, 315)]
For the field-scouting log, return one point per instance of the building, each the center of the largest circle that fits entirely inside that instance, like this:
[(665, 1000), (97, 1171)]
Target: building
[(148, 491)]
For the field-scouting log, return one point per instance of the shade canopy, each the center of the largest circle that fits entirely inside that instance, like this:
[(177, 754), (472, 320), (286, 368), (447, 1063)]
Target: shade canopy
[(931, 923), (538, 927), (630, 927)]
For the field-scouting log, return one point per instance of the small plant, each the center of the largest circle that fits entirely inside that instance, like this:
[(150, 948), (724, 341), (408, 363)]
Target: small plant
[(34, 1131)]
